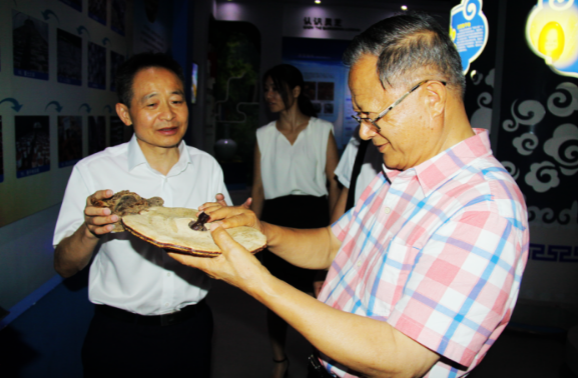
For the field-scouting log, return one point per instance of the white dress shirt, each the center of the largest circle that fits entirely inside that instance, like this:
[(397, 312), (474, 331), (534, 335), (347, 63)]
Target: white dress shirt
[(129, 273), (371, 166), (298, 168)]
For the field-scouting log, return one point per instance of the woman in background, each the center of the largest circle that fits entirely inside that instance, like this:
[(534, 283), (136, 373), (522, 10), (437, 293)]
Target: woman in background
[(293, 184)]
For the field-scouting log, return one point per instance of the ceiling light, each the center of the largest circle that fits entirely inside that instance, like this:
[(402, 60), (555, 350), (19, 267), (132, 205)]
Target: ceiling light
[(404, 7), (317, 1)]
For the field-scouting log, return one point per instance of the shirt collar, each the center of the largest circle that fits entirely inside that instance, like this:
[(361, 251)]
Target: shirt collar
[(437, 170), (136, 156)]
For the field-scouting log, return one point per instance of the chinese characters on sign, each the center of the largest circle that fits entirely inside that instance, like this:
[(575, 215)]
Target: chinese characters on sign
[(325, 23)]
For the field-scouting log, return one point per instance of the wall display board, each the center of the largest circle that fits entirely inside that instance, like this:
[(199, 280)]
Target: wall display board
[(329, 22), (55, 60), (118, 20), (96, 134), (69, 140), (152, 26), (551, 30), (96, 66), (97, 10), (469, 30), (537, 143), (76, 4), (69, 57), (115, 61), (30, 46), (32, 145), (480, 78), (320, 62), (119, 132), (194, 82), (235, 52), (314, 39)]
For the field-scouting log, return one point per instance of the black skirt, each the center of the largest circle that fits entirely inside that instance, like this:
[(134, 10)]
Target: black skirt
[(296, 212)]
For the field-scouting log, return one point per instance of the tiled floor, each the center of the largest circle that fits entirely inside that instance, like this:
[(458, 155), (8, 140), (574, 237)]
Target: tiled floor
[(240, 346)]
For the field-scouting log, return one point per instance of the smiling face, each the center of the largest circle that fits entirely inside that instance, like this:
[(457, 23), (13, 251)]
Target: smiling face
[(408, 136), (158, 111)]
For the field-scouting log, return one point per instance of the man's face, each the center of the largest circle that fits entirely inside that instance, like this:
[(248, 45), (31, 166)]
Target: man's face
[(158, 111), (405, 138)]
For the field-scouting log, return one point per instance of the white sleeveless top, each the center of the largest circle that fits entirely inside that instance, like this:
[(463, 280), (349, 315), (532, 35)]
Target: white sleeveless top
[(297, 169)]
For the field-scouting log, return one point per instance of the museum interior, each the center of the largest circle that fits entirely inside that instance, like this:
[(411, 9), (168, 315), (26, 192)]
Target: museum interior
[(58, 62)]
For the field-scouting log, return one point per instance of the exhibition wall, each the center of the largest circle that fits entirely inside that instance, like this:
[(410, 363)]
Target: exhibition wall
[(58, 59)]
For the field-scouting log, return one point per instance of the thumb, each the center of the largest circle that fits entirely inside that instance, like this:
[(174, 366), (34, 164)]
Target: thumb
[(222, 238), (220, 199), (247, 204)]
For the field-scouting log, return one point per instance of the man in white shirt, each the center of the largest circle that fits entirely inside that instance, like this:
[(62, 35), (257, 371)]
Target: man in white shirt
[(369, 166), (150, 317)]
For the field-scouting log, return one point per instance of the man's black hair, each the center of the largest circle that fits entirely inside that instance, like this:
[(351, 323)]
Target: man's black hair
[(408, 43), (127, 71)]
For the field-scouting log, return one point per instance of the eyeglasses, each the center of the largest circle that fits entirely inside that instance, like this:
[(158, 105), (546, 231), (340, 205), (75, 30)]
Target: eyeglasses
[(388, 109)]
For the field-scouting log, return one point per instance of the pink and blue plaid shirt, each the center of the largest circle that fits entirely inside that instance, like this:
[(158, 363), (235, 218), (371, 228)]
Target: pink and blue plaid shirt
[(437, 251)]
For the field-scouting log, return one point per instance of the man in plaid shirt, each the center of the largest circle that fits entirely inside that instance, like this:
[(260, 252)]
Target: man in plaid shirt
[(424, 272)]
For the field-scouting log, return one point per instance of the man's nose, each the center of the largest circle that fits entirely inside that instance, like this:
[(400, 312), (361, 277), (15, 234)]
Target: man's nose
[(366, 130), (167, 111)]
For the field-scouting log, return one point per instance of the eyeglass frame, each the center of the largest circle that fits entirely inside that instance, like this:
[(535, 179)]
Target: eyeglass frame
[(395, 103)]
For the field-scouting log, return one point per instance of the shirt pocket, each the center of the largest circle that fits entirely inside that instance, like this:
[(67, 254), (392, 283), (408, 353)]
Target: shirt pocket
[(389, 277)]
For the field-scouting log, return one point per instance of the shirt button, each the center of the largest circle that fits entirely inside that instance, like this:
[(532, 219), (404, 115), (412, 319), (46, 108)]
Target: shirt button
[(167, 304), (168, 274), (387, 210), (359, 264)]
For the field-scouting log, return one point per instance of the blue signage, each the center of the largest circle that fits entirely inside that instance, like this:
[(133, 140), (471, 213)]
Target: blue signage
[(469, 30)]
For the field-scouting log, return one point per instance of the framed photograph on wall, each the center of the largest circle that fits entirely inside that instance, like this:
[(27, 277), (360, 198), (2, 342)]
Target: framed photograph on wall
[(69, 140), (97, 10), (69, 58), (96, 66), (32, 145), (96, 134), (30, 46)]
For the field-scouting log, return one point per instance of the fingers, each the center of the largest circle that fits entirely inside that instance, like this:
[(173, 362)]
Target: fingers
[(220, 199), (99, 220), (229, 217), (99, 195), (247, 204), (223, 240), (210, 207)]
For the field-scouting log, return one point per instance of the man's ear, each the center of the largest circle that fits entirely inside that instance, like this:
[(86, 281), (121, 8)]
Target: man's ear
[(123, 113), (436, 96)]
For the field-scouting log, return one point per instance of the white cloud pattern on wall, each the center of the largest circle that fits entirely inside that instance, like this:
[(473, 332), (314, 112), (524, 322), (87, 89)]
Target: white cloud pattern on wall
[(530, 113), (542, 176), (561, 96), (482, 117), (526, 143), (512, 169), (563, 147)]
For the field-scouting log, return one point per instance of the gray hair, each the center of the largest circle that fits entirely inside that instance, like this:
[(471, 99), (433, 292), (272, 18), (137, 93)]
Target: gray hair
[(407, 43)]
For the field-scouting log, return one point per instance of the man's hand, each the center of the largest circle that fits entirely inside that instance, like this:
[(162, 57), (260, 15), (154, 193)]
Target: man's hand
[(98, 220), (235, 265), (73, 253), (220, 198), (231, 216)]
